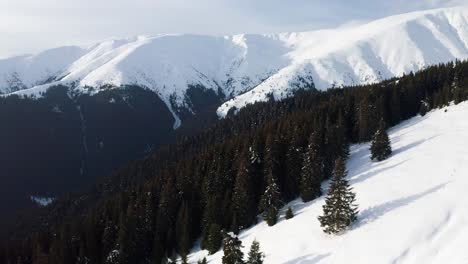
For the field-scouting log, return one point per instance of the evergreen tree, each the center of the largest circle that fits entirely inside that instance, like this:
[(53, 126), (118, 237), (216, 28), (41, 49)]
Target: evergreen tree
[(202, 261), (423, 108), (215, 239), (312, 171), (109, 235), (183, 230), (113, 257), (294, 157), (289, 213), (255, 255), (457, 92), (339, 210), (232, 250), (243, 201), (380, 145), (273, 158), (270, 202)]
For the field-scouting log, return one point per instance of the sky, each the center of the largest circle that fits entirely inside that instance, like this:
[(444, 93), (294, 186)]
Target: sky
[(29, 26)]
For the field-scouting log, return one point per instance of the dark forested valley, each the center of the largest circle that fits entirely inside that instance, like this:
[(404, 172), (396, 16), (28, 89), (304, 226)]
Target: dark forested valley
[(220, 179), (64, 141)]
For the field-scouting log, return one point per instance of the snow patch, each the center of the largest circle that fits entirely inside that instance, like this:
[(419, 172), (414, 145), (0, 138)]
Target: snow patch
[(42, 201)]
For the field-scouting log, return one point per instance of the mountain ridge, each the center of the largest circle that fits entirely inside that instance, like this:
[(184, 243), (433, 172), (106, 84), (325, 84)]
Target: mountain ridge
[(247, 68)]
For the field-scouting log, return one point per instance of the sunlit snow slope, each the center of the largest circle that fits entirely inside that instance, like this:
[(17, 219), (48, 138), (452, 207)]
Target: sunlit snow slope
[(368, 53), (413, 206), (247, 68)]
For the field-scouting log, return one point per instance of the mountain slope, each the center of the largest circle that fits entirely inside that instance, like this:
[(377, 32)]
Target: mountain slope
[(413, 205), (368, 53), (260, 65), (23, 72)]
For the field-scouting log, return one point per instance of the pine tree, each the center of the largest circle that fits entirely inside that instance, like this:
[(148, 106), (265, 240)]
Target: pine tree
[(289, 213), (293, 164), (270, 202), (243, 201), (457, 93), (255, 255), (232, 250), (312, 171), (109, 236), (380, 145), (214, 239), (339, 210), (423, 108), (113, 257), (184, 259), (202, 261), (183, 225)]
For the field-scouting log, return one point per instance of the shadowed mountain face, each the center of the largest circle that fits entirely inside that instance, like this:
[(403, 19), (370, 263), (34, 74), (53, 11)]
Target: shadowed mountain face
[(61, 143)]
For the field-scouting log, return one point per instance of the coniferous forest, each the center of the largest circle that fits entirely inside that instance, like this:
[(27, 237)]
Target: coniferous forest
[(227, 177)]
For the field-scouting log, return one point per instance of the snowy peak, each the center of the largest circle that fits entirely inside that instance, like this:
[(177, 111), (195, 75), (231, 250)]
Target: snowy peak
[(24, 72), (367, 53), (247, 68)]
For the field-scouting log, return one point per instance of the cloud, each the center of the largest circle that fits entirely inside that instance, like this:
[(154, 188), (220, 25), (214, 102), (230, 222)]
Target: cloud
[(32, 25)]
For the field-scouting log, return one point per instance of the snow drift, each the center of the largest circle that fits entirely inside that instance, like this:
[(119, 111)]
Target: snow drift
[(413, 206)]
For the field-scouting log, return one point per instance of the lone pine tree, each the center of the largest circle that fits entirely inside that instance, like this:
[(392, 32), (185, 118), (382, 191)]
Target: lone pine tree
[(340, 210), (380, 145), (255, 255), (232, 250)]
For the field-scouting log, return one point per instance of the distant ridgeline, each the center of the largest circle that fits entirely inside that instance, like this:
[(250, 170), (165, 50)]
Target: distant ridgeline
[(159, 206), (61, 142)]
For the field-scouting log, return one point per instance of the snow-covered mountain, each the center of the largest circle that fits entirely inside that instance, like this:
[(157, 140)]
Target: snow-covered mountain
[(247, 68), (412, 205)]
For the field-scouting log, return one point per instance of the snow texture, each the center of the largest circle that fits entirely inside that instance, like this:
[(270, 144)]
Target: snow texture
[(247, 68), (413, 206)]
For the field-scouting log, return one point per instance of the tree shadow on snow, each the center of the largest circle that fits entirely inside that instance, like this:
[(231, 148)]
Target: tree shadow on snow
[(363, 176), (373, 213), (412, 145), (307, 259)]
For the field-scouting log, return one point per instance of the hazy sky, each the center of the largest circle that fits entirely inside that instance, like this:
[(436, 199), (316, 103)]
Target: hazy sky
[(33, 25)]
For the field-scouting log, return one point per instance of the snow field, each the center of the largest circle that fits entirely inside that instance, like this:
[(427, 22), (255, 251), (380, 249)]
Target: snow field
[(413, 206)]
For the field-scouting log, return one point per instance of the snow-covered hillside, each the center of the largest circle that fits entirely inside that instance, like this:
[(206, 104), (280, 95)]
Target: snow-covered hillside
[(30, 70), (413, 206), (246, 67), (368, 53)]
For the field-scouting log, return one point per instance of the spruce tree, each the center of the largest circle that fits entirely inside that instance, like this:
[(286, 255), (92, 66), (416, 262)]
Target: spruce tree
[(380, 145), (243, 200), (113, 257), (255, 255), (312, 171), (202, 261), (456, 89), (270, 202), (289, 213), (214, 238), (294, 155), (232, 250), (423, 108), (340, 210), (183, 225)]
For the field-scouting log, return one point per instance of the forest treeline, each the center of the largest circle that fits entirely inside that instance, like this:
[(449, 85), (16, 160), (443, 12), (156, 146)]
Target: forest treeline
[(222, 179)]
